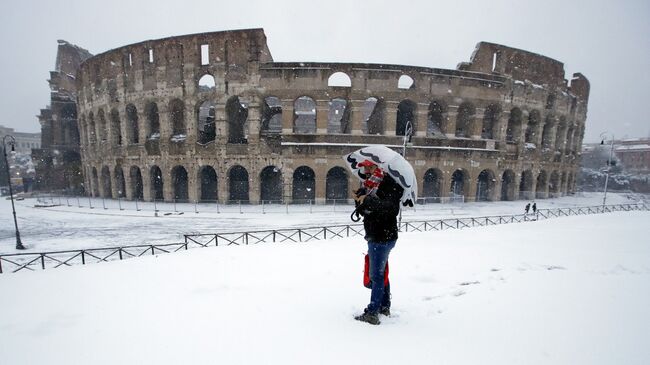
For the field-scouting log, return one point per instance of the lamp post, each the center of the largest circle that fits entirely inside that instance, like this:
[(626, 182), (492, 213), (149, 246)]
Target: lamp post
[(12, 142), (609, 161)]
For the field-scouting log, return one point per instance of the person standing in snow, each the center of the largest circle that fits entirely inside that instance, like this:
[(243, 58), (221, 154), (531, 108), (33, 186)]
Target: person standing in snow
[(527, 208), (534, 207), (379, 211)]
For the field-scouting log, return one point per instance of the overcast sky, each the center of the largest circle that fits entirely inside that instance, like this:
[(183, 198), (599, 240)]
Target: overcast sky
[(607, 41)]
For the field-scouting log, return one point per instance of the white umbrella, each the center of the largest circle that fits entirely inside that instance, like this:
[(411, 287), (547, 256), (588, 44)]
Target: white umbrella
[(391, 163)]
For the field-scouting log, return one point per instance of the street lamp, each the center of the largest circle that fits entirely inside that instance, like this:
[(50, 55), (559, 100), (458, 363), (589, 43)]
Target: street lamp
[(609, 161), (12, 142)]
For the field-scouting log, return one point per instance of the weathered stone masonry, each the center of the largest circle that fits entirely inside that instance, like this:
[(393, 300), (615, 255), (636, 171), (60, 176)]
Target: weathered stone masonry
[(211, 116)]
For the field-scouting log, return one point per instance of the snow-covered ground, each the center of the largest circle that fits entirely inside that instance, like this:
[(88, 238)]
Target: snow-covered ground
[(70, 227), (564, 291)]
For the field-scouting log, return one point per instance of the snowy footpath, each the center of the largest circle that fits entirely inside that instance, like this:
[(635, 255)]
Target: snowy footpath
[(564, 291)]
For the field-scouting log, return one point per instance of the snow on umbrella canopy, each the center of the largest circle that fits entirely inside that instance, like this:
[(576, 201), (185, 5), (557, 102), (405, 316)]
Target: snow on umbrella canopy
[(391, 163)]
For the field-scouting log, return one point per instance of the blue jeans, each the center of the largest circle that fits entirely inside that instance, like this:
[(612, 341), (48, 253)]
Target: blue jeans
[(378, 255)]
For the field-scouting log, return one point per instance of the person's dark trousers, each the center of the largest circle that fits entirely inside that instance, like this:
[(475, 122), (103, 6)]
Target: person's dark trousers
[(378, 254)]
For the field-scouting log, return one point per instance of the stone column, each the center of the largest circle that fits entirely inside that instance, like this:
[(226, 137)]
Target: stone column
[(477, 124), (127, 182), (450, 122), (287, 185), (168, 183), (223, 184), (253, 122), (192, 183), (322, 111), (146, 183), (114, 183), (422, 119), (356, 117), (254, 193), (287, 116), (390, 118), (501, 126)]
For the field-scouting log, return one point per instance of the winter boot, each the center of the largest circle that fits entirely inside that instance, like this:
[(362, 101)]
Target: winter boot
[(385, 311), (368, 317)]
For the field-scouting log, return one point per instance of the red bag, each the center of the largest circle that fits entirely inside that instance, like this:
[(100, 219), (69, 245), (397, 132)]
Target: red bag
[(366, 273)]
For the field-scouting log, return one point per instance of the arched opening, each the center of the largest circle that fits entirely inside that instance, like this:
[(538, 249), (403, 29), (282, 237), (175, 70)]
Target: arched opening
[(153, 121), (177, 116), (271, 185), (237, 113), (339, 79), (106, 182), (336, 185), (156, 179), (208, 178), (133, 131), (304, 185), (272, 115), (533, 127), (207, 83), (554, 184), (238, 184), (119, 180), (304, 115), (136, 183), (101, 127), (179, 181), (435, 123), (526, 185), (485, 186), (405, 82), (91, 129), (116, 129), (490, 121), (373, 116), (338, 117), (405, 123), (431, 186), (513, 130), (465, 119), (547, 133), (508, 185), (459, 184), (95, 183), (541, 188), (206, 116)]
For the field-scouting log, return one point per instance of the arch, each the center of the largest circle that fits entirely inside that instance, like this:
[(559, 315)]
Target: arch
[(92, 137), (490, 121), (180, 183), (336, 185), (485, 185), (209, 186), (205, 118), (431, 185), (304, 115), (153, 120), (339, 79), (238, 184), (106, 182), (137, 188), (508, 185), (526, 185), (304, 185), (272, 115), (177, 117), (436, 120), (236, 114), (116, 128), (532, 129), (95, 183), (271, 184), (405, 82), (207, 83), (101, 125), (119, 180), (374, 111), (133, 131), (459, 186), (406, 111), (554, 184), (541, 188), (338, 117), (156, 178), (465, 119), (547, 133), (513, 130)]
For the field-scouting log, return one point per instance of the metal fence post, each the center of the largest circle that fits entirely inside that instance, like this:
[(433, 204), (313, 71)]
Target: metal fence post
[(119, 203), (90, 203)]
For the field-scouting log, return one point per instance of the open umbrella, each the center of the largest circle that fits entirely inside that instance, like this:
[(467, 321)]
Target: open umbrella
[(391, 163)]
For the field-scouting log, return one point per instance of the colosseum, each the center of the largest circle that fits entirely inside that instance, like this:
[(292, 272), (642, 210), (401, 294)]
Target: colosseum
[(211, 116)]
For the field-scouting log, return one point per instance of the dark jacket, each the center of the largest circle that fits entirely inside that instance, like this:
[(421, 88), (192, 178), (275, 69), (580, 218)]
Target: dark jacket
[(380, 211)]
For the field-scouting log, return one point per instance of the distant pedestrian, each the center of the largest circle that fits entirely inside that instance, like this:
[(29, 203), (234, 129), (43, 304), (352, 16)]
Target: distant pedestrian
[(534, 207), (527, 208)]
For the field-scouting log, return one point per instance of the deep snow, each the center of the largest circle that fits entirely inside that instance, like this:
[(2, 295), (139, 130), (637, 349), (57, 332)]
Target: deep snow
[(564, 291)]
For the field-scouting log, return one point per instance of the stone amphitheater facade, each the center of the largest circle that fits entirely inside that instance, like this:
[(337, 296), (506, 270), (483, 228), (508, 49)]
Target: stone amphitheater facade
[(211, 116)]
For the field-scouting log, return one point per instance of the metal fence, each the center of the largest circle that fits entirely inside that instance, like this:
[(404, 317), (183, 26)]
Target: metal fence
[(37, 261)]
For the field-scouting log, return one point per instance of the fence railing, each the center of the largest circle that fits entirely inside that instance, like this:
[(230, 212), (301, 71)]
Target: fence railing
[(40, 261)]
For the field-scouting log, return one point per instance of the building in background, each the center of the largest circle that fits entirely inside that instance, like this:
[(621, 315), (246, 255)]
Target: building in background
[(57, 161)]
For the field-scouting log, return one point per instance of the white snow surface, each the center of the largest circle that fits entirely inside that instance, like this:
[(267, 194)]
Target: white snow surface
[(563, 291)]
